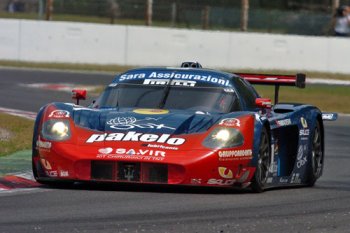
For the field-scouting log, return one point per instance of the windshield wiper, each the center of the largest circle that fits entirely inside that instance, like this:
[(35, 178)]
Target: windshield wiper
[(165, 93)]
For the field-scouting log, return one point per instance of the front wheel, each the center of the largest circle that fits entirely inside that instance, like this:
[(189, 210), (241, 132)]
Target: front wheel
[(315, 165), (264, 160)]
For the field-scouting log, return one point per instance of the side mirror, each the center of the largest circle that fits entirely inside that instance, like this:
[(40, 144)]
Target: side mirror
[(263, 103), (78, 95)]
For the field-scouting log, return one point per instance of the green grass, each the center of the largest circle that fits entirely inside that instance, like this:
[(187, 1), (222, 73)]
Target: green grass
[(21, 131), (89, 19), (327, 98), (70, 18), (65, 66), (115, 68), (309, 74)]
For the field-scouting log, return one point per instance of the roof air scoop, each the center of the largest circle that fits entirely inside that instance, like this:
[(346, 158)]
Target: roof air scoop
[(190, 64)]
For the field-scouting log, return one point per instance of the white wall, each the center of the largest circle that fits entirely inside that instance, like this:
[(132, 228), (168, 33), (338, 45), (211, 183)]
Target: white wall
[(41, 41)]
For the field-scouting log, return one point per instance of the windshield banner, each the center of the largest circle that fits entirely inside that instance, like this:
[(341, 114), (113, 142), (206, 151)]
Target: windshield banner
[(177, 78)]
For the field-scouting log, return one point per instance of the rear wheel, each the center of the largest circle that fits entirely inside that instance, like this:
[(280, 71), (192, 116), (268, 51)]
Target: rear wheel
[(263, 164), (315, 165)]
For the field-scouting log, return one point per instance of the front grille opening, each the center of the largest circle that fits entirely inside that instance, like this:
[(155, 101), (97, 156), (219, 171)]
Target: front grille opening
[(155, 173), (102, 170), (129, 172)]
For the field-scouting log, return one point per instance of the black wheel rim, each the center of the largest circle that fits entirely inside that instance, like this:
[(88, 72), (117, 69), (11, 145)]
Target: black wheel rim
[(264, 159), (317, 153)]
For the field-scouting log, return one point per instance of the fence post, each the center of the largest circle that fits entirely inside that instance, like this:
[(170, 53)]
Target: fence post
[(244, 15), (173, 14), (40, 9), (49, 9), (205, 17), (149, 12)]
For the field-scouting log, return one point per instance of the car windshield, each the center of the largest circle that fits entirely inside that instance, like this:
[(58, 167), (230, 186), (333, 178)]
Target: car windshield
[(209, 99)]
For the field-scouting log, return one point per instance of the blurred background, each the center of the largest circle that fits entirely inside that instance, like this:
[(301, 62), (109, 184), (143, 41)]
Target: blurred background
[(225, 34), (300, 17)]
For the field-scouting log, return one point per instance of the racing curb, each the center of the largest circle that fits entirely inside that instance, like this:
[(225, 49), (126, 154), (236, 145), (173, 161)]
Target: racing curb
[(16, 174)]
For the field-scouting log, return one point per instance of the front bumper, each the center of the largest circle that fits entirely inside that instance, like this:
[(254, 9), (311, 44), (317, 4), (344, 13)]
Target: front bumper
[(197, 167)]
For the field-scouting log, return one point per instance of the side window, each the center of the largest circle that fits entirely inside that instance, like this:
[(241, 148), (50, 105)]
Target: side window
[(247, 93)]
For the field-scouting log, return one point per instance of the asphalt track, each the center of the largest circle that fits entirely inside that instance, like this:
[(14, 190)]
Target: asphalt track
[(82, 208)]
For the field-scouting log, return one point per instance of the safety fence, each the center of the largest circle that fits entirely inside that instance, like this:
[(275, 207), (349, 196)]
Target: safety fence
[(306, 17)]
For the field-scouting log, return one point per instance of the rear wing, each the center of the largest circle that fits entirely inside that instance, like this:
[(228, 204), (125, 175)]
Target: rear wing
[(297, 80)]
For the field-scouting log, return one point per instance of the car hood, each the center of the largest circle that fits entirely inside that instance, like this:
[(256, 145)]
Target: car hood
[(145, 120)]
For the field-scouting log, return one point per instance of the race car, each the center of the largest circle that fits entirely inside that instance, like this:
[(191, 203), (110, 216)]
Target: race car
[(182, 126)]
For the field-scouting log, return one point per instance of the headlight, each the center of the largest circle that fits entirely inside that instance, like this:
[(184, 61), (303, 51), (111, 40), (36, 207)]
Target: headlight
[(56, 130), (223, 137)]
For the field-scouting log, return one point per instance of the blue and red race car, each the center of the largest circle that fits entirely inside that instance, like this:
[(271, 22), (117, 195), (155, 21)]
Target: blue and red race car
[(182, 126)]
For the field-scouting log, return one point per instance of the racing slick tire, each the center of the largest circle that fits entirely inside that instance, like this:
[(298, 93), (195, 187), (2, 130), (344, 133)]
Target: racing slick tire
[(263, 164), (316, 156)]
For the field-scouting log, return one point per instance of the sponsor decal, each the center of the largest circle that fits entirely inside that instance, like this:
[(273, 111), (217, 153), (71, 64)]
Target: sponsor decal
[(229, 90), (328, 116), (301, 161), (147, 111), (221, 182), (273, 168), (128, 123), (176, 75), (128, 157), (283, 180), (122, 153), (284, 122), (140, 152), (295, 178), (172, 82), (235, 154), (43, 145), (269, 180), (196, 181), (51, 173), (59, 114), (304, 132), (160, 147), (64, 173), (105, 151), (133, 136), (225, 173), (303, 122), (46, 164), (132, 76), (230, 122)]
